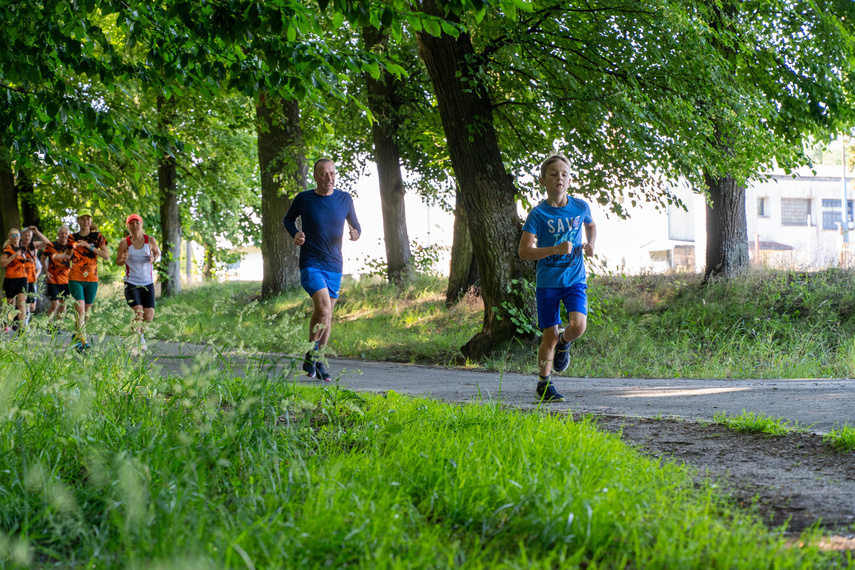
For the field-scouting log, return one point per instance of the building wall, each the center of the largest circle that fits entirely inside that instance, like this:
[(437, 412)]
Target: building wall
[(777, 210)]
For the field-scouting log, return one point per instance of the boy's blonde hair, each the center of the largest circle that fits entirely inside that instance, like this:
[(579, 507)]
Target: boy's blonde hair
[(553, 158)]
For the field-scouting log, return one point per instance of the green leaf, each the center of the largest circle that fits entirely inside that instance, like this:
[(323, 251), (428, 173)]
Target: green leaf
[(291, 34), (432, 27)]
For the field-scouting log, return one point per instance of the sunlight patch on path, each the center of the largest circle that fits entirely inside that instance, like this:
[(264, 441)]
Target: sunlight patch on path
[(666, 392)]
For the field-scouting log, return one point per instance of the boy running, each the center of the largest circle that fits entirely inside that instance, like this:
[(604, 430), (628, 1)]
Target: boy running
[(552, 236)]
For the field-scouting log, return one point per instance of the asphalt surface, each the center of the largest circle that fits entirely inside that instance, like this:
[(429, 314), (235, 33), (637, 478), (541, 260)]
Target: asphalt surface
[(819, 404)]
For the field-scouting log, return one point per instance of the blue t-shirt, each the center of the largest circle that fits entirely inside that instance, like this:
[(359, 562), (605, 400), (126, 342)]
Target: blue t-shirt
[(552, 226), (323, 220)]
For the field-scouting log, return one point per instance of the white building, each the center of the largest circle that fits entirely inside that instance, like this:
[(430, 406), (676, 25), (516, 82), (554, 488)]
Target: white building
[(793, 222)]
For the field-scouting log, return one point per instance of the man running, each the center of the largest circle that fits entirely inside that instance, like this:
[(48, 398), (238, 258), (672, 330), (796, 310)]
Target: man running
[(323, 212), (33, 265), (59, 254)]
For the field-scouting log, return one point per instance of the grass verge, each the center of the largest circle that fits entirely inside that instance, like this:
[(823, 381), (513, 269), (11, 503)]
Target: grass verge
[(107, 463), (758, 423), (765, 324), (842, 439)]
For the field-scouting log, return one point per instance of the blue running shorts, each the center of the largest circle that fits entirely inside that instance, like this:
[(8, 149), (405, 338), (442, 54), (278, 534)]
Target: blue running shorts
[(549, 301), (313, 280)]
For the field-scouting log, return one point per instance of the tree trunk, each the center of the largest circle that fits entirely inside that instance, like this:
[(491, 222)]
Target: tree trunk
[(727, 228), (383, 103), (170, 215), (464, 270), (487, 193), (26, 191), (283, 174), (10, 214), (208, 268)]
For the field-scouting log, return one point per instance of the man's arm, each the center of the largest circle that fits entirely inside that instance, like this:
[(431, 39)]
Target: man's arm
[(353, 223)]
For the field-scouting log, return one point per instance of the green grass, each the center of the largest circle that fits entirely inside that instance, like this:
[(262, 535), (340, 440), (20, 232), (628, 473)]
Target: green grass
[(765, 324), (104, 463), (842, 439), (758, 423)]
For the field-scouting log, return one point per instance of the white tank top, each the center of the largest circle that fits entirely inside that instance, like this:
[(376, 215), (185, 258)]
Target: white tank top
[(138, 267)]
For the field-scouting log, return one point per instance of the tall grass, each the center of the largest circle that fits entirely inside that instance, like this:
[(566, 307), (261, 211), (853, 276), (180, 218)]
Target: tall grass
[(763, 325), (105, 463)]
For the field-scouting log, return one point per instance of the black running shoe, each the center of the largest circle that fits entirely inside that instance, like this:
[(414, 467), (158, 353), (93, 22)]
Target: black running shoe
[(309, 365), (547, 393), (321, 371), (561, 361)]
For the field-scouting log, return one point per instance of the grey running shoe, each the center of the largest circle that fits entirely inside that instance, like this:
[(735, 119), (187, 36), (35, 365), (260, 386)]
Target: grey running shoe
[(561, 361), (547, 393)]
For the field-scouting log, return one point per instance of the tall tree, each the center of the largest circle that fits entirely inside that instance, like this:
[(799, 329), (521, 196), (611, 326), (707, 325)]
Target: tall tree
[(487, 193), (283, 175), (170, 213), (384, 103), (795, 60)]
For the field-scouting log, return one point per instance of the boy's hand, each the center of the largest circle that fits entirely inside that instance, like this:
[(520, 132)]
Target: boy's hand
[(563, 248), (589, 249), (299, 238)]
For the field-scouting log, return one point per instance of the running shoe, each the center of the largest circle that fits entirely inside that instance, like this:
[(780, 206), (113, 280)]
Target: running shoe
[(309, 366), (561, 361), (321, 371), (547, 393)]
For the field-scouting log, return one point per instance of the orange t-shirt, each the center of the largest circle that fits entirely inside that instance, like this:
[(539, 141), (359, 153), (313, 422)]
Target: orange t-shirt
[(84, 266), (18, 268), (57, 269), (30, 261)]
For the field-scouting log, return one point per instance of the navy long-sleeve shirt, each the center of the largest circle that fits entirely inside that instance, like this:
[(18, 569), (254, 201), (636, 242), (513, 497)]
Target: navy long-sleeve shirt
[(322, 220)]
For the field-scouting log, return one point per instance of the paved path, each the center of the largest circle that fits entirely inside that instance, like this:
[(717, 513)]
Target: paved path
[(824, 404)]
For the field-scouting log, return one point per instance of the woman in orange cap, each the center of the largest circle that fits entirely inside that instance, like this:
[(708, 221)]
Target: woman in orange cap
[(138, 253)]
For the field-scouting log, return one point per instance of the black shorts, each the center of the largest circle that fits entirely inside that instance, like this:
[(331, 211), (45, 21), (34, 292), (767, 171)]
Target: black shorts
[(57, 292), (32, 292), (140, 295), (13, 286)]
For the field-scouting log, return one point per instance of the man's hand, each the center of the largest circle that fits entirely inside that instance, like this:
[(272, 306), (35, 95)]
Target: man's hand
[(354, 234), (589, 250), (299, 238)]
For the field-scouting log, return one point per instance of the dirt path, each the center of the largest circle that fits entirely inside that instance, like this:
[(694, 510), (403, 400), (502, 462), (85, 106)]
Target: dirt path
[(796, 478)]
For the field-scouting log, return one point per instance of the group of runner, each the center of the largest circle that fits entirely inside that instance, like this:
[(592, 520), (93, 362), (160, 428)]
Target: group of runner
[(71, 267), (552, 236)]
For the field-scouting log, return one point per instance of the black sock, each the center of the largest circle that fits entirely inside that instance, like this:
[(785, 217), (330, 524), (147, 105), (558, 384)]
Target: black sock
[(542, 379)]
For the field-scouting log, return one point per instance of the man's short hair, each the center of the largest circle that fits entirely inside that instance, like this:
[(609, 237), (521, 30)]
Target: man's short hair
[(320, 161), (553, 158)]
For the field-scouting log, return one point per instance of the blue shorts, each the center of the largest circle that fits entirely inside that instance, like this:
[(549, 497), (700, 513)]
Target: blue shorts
[(313, 280), (549, 303)]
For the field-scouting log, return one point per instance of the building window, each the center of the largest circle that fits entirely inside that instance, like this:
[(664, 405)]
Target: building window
[(831, 215), (794, 211), (763, 207)]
